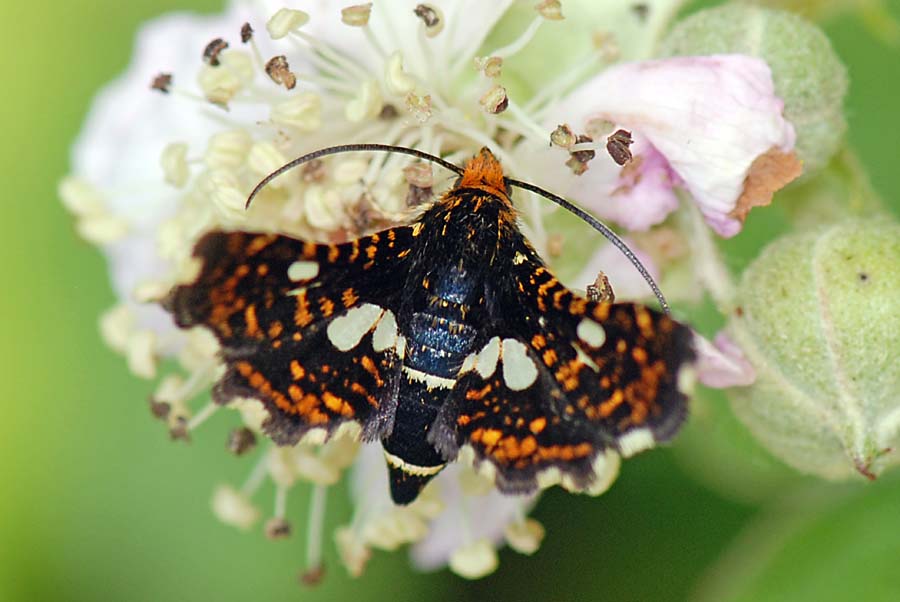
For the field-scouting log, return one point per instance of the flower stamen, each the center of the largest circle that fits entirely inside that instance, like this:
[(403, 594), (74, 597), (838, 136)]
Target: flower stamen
[(314, 531), (202, 416)]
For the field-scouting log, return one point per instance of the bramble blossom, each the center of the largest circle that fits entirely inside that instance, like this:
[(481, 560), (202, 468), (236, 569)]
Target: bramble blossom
[(239, 94)]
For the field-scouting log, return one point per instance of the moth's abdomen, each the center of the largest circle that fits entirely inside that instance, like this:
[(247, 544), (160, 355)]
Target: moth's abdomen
[(439, 336)]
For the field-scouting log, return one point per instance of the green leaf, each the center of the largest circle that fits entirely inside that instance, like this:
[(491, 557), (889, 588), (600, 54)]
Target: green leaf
[(830, 544)]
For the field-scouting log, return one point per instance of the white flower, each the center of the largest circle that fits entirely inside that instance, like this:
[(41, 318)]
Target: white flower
[(155, 169)]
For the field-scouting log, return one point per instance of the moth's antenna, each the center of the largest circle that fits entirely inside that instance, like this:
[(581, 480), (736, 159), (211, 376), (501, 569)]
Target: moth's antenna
[(389, 148), (346, 148), (602, 229)]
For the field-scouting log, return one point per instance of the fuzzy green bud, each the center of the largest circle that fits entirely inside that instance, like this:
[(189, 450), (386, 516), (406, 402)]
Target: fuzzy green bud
[(819, 319), (808, 75)]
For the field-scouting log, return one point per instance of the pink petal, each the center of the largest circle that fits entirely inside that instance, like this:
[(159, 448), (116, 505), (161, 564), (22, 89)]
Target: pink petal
[(709, 117), (626, 281), (721, 364)]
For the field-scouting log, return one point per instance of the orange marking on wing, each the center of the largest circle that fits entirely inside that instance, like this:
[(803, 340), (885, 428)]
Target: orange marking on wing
[(302, 316), (479, 393), (262, 386), (333, 253), (528, 446), (639, 355), (305, 405), (601, 311), (252, 322), (370, 367), (557, 298), (543, 288), (463, 420), (309, 250), (259, 243), (644, 321), (537, 425), (349, 297), (371, 251), (354, 250), (609, 406), (361, 390), (337, 404), (275, 329), (567, 374), (578, 306), (490, 437), (326, 305), (565, 452), (639, 411), (549, 358), (297, 370), (538, 341), (262, 269)]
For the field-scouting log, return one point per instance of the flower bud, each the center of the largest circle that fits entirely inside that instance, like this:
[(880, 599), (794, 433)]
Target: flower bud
[(808, 75), (817, 316)]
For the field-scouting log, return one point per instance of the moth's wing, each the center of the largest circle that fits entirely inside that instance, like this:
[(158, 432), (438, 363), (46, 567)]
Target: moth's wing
[(564, 379), (308, 329)]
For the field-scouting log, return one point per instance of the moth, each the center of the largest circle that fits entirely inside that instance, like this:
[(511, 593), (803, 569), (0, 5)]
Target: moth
[(445, 332)]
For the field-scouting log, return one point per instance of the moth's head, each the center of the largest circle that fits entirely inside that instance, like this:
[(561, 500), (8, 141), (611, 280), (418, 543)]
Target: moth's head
[(484, 171)]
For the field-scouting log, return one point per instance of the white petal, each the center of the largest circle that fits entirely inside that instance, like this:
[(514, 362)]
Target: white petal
[(395, 27), (487, 516)]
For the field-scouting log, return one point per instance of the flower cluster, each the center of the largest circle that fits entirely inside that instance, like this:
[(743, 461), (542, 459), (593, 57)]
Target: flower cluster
[(630, 126)]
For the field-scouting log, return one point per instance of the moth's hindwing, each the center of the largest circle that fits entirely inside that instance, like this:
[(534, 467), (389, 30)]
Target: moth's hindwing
[(564, 379), (309, 329)]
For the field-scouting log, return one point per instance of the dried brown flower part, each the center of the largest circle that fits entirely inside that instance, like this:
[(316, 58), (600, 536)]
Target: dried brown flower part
[(280, 72), (162, 83), (617, 145), (770, 172), (213, 50)]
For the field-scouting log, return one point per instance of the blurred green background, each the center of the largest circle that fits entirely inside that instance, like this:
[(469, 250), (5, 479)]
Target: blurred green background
[(96, 503)]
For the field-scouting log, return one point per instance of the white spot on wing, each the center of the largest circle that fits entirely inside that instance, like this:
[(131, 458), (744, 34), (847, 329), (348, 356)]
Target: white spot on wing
[(519, 258), (303, 270), (687, 379), (486, 362), (591, 333), (519, 370), (346, 331), (468, 363), (586, 359), (635, 441), (385, 335), (606, 469)]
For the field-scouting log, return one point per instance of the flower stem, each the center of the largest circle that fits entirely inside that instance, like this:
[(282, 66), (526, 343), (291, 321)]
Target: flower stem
[(711, 271)]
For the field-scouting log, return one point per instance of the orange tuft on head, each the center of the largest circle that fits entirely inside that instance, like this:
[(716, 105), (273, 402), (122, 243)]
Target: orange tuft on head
[(484, 171)]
